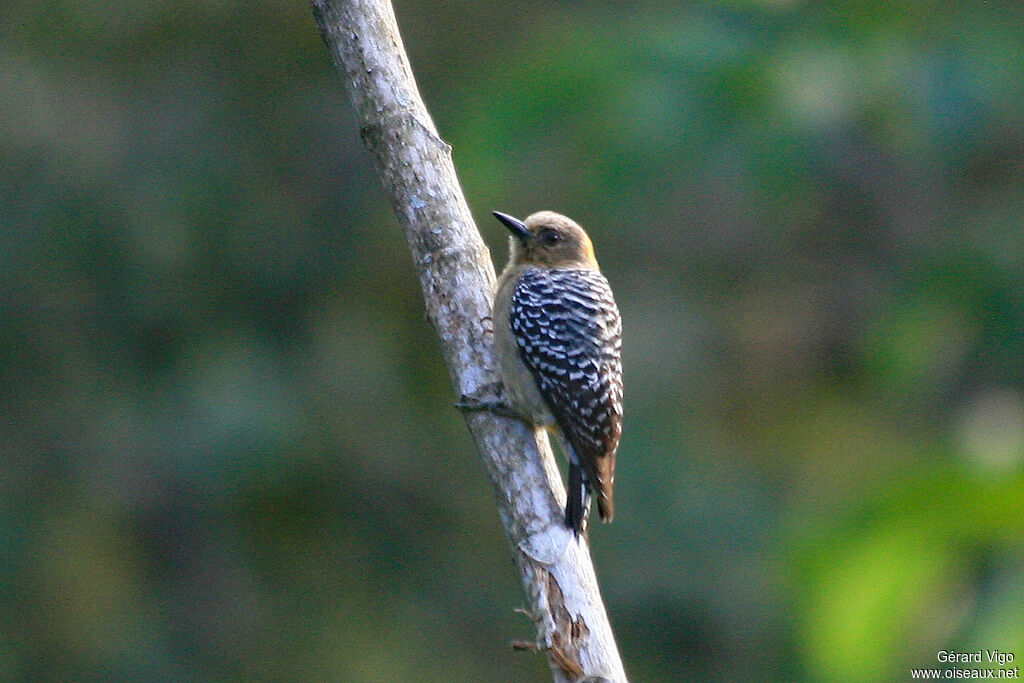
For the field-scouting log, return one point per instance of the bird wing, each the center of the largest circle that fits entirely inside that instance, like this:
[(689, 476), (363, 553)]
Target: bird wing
[(569, 334)]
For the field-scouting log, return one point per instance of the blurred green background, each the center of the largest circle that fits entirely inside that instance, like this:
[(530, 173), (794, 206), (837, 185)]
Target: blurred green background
[(228, 446)]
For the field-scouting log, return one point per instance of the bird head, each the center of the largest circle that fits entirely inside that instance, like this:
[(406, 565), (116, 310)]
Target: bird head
[(549, 240)]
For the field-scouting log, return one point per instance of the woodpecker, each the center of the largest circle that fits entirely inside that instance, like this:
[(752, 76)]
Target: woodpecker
[(558, 340)]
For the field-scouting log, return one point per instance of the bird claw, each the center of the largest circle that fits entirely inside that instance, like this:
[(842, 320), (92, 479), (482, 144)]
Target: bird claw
[(488, 402), (471, 404)]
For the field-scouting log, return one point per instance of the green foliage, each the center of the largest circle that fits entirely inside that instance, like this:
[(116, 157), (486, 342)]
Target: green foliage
[(229, 451), (902, 574)]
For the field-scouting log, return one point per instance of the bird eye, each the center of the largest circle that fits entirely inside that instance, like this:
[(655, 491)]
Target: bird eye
[(549, 237)]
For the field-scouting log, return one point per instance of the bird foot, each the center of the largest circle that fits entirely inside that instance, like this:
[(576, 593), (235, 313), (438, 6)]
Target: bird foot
[(489, 402)]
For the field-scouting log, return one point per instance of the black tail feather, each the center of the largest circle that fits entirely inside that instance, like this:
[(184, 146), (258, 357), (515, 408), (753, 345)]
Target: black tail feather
[(576, 499)]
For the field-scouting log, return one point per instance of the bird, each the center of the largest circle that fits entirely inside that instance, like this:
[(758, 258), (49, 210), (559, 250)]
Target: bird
[(558, 342)]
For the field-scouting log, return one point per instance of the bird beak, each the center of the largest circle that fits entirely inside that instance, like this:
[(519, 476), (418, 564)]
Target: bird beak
[(517, 227)]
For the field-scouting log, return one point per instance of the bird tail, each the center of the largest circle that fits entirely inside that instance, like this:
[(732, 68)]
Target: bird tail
[(605, 508), (577, 498)]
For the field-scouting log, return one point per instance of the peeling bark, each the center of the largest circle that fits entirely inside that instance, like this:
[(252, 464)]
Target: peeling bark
[(457, 278)]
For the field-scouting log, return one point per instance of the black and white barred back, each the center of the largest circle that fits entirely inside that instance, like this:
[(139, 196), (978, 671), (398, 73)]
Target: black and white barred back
[(569, 334)]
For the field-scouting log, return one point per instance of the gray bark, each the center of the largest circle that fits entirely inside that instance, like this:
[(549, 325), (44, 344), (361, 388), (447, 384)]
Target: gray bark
[(457, 278)]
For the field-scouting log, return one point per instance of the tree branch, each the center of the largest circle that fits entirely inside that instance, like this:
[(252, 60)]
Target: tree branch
[(457, 278)]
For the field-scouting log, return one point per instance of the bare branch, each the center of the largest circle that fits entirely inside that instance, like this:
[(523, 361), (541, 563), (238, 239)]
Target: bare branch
[(457, 278)]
